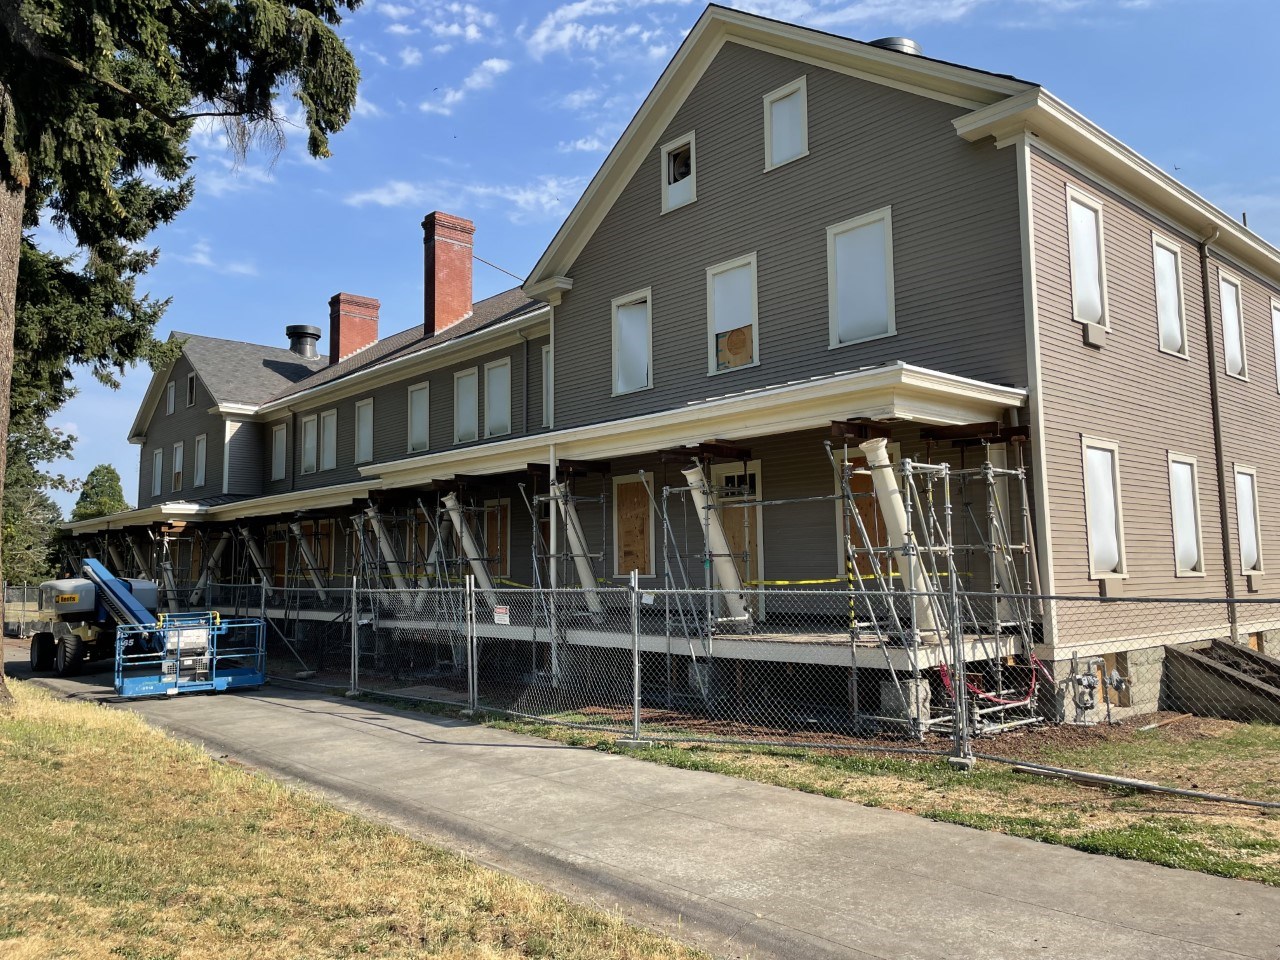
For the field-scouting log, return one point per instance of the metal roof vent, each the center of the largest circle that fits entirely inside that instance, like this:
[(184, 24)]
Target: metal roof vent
[(901, 44), (302, 339)]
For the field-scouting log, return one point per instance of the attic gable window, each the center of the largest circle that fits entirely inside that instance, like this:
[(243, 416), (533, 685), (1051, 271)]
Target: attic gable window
[(786, 124), (679, 174), (169, 392), (191, 389)]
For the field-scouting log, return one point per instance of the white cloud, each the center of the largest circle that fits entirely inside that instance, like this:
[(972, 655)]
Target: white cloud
[(461, 21), (589, 144), (580, 98), (410, 57), (366, 108), (440, 49), (393, 193), (548, 197), (401, 29), (201, 255), (395, 11), (481, 78)]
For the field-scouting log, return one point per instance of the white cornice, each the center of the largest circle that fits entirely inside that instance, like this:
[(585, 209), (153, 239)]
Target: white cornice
[(175, 511), (290, 502)]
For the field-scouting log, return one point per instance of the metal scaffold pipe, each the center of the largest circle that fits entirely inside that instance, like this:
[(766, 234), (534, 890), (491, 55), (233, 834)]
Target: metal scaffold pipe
[(483, 581), (717, 545)]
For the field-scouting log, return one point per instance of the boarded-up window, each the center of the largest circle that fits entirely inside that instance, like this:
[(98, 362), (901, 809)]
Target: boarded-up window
[(497, 537), (632, 527), (731, 296), (1232, 327), (1087, 295)]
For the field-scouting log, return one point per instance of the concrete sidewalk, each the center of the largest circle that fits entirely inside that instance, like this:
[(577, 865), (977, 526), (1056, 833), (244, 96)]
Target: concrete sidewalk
[(741, 869)]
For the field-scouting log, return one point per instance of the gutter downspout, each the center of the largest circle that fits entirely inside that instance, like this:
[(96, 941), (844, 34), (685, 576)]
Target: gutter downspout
[(1219, 456)]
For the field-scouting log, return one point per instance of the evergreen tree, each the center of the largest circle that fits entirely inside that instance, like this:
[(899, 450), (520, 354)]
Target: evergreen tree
[(97, 104), (101, 494), (30, 524)]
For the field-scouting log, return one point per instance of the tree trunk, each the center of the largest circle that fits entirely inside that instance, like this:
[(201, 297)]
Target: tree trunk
[(12, 202)]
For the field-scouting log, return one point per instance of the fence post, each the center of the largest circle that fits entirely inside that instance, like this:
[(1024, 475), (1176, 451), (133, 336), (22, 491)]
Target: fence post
[(473, 684), (634, 740), (355, 640)]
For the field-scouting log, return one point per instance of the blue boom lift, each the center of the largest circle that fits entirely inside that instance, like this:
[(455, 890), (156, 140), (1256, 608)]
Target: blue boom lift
[(99, 615)]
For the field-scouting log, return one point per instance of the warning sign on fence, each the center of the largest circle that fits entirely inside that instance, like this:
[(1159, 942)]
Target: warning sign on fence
[(502, 615)]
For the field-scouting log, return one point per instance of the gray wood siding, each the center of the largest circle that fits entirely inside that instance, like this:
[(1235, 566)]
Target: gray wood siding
[(1148, 402), (185, 424), (957, 261), (244, 474)]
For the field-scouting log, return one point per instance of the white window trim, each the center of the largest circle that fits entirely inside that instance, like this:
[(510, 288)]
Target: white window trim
[(360, 405), (626, 300), (801, 85), (408, 399), (302, 444), (833, 320), (470, 371), (177, 466), (1096, 205), (191, 389), (320, 444), (1275, 337), (1157, 241), (548, 386), (1100, 444), (1195, 491), (1231, 278), (750, 258), (617, 551), (170, 402), (1236, 469), (283, 430), (157, 472), (667, 149), (493, 364), (198, 472)]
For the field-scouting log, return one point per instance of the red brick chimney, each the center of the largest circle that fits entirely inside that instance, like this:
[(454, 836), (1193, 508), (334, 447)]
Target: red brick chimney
[(353, 325), (447, 243)]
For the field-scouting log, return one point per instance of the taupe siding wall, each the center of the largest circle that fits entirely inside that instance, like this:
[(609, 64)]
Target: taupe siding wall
[(185, 424), (955, 228), (391, 418)]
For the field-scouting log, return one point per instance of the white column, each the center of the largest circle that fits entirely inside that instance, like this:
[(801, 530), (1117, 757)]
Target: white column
[(578, 547), (472, 552), (722, 562)]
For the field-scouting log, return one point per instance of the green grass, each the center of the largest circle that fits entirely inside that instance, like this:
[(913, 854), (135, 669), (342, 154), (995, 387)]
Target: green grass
[(118, 842)]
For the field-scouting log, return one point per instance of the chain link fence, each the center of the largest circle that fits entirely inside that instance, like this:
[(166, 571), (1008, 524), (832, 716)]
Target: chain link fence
[(21, 609)]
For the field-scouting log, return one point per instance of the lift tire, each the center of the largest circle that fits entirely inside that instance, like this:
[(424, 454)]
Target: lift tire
[(70, 656), (43, 650)]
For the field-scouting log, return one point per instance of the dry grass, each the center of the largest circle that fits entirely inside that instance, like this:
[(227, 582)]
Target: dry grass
[(118, 842)]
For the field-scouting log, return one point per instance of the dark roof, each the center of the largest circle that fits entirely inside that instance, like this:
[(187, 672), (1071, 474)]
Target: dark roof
[(484, 314), (237, 372)]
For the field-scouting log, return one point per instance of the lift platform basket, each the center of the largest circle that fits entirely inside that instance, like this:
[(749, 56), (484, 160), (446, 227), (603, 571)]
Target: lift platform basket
[(189, 653)]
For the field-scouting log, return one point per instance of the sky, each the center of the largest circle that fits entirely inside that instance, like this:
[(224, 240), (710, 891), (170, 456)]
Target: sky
[(502, 110)]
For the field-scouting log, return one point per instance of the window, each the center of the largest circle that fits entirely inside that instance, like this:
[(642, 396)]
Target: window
[(191, 389), (168, 397), (786, 124), (632, 526), (1248, 527), (860, 278), (176, 484), (278, 449), (465, 406), (497, 398), (1170, 317), (679, 173), (1088, 273), (309, 443), (328, 439), (197, 479), (419, 417), (731, 314), (157, 471), (1104, 522), (364, 430), (632, 343), (547, 393), (1184, 497), (1232, 326)]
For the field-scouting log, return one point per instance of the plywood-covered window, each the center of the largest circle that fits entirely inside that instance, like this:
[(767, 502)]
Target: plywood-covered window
[(731, 314), (310, 443), (632, 342), (632, 526), (279, 448), (497, 398), (1248, 524), (1088, 271), (1103, 515), (1170, 314), (860, 278), (466, 406), (177, 467), (329, 440), (1233, 349), (419, 417), (679, 173), (157, 472), (1184, 500), (197, 479), (786, 123), (497, 536)]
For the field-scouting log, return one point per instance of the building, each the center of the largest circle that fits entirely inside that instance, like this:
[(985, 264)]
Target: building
[(798, 236)]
